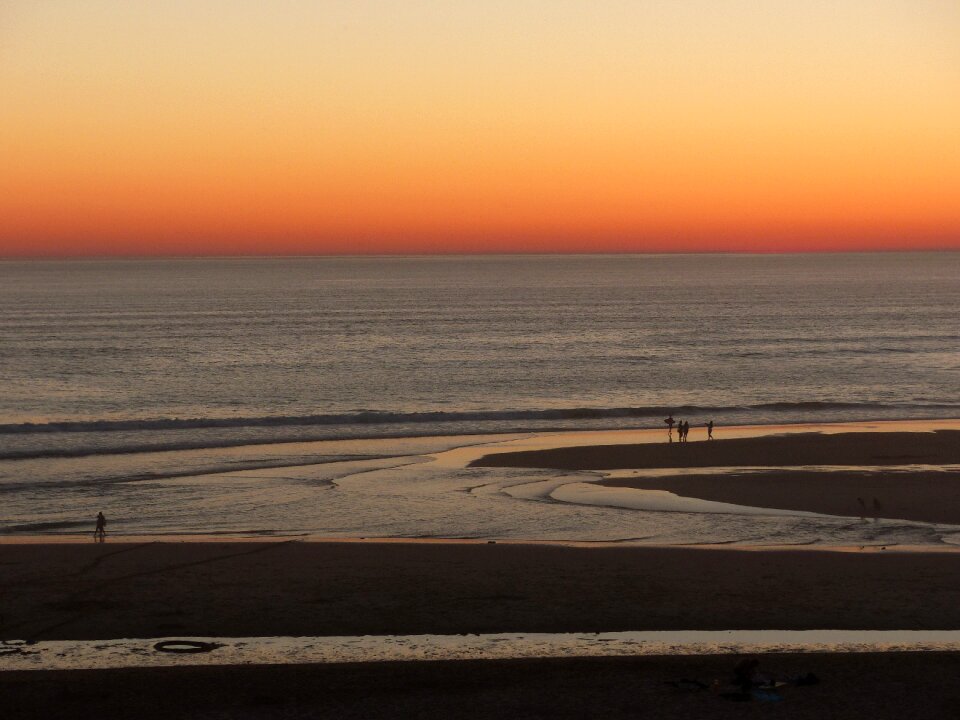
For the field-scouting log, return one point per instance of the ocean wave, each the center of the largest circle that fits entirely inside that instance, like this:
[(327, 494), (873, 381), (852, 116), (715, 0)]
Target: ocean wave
[(43, 527), (375, 417)]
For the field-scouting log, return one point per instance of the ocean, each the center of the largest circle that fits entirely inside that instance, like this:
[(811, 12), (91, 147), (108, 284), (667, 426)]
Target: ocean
[(131, 372)]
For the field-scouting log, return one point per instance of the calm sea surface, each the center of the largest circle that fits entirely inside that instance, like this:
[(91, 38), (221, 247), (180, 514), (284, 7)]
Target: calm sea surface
[(104, 363)]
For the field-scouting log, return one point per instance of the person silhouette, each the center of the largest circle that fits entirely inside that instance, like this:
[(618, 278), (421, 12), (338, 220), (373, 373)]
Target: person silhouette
[(710, 430), (670, 421), (100, 534), (686, 429)]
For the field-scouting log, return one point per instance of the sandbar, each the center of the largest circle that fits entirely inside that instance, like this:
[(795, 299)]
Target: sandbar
[(938, 447), (894, 475)]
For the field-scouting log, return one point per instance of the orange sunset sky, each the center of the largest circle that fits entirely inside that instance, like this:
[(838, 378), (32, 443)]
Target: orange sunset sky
[(363, 126)]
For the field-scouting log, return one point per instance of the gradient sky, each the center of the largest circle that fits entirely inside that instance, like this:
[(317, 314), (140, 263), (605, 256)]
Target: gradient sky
[(362, 126)]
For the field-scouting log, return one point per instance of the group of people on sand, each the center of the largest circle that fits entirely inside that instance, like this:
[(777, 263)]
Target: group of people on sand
[(683, 429)]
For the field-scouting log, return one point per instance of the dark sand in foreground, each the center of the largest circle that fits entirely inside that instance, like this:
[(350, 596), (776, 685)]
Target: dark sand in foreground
[(114, 590), (925, 496), (870, 685)]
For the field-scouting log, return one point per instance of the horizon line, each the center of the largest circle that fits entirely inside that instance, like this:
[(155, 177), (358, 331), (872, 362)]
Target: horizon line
[(466, 254)]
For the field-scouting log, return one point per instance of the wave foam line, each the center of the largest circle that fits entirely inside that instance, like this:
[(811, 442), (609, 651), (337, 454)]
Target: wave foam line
[(375, 417)]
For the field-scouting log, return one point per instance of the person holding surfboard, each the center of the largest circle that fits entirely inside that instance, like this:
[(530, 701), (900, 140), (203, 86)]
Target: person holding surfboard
[(669, 421)]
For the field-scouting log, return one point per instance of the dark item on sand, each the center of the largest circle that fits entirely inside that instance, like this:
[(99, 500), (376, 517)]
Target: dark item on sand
[(805, 679), (185, 646), (744, 671), (764, 695), (748, 684)]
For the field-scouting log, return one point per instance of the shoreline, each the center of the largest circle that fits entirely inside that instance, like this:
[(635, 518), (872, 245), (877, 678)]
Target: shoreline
[(124, 541), (726, 470), (51, 427), (752, 428)]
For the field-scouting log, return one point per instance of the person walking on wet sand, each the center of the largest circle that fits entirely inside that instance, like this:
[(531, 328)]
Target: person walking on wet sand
[(100, 534), (686, 429), (710, 430), (669, 421)]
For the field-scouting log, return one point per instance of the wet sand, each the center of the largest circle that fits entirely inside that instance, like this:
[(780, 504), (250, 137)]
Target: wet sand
[(924, 496), (88, 591), (929, 495), (161, 589), (878, 686)]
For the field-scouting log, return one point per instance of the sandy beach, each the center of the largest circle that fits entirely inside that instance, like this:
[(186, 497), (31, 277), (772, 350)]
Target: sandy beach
[(298, 588), (87, 591), (73, 589)]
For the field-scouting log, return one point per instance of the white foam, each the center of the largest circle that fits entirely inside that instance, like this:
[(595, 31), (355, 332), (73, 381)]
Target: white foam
[(104, 654)]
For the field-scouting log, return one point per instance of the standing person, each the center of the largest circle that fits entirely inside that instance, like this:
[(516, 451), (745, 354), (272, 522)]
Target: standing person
[(710, 430), (669, 421), (686, 429), (100, 534)]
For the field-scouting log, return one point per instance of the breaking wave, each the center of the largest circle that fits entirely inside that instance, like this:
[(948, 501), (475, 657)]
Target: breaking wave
[(374, 417)]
